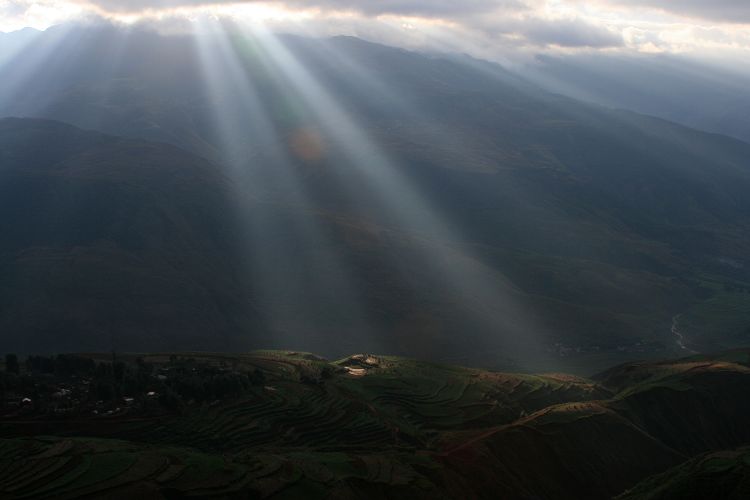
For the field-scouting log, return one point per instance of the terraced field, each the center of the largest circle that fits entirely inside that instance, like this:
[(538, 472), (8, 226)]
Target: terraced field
[(396, 403), (384, 427), (724, 474)]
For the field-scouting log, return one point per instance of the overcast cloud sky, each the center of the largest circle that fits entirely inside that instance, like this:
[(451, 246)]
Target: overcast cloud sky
[(482, 27)]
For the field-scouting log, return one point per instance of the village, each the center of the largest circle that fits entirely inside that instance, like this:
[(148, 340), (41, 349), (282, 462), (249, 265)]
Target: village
[(70, 386)]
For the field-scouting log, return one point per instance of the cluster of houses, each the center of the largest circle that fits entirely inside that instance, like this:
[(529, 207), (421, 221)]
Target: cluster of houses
[(72, 398)]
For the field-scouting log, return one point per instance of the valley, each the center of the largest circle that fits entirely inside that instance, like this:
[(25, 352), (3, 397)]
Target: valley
[(488, 222), (339, 250)]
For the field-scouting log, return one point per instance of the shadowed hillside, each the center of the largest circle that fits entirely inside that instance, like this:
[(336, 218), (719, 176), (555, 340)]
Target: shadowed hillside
[(110, 243), (724, 474), (273, 424), (431, 206)]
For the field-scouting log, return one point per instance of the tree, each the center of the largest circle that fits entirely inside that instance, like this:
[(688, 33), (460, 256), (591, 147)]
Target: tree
[(258, 377), (11, 364)]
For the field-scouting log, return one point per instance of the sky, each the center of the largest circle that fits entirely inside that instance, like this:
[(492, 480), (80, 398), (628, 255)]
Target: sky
[(484, 28)]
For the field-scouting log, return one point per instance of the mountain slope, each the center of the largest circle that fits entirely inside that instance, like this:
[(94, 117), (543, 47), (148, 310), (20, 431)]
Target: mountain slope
[(449, 194), (113, 244), (701, 94), (724, 474)]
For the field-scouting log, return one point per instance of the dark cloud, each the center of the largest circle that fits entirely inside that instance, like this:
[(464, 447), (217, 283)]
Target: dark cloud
[(536, 31), (431, 8), (481, 24), (505, 18), (569, 33), (732, 11)]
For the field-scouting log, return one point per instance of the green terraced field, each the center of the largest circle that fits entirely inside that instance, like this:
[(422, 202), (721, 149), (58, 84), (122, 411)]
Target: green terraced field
[(723, 474), (381, 427)]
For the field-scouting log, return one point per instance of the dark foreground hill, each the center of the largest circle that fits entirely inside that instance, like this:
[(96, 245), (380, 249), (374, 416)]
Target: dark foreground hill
[(292, 425), (723, 474)]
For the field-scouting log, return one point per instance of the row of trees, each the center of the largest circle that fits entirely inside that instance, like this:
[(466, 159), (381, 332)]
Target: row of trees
[(11, 364), (173, 385), (62, 365)]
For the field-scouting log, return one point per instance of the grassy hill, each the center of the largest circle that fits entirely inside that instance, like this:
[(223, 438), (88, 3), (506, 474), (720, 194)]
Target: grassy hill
[(273, 424), (723, 474)]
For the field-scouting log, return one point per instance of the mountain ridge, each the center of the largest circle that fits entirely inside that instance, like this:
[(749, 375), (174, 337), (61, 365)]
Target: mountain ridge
[(596, 227)]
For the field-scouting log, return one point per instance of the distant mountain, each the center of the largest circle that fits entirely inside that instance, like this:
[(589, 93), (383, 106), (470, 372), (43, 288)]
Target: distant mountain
[(432, 206), (706, 96), (11, 44)]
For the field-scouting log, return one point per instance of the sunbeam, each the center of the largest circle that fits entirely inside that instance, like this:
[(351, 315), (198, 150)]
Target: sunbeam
[(296, 273), (41, 55), (374, 249), (392, 193)]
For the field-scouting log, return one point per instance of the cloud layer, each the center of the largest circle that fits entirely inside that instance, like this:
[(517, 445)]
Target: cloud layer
[(426, 8), (480, 27), (730, 11)]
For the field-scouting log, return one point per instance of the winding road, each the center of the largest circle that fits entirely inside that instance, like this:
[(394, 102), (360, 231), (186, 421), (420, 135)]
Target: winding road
[(680, 338)]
